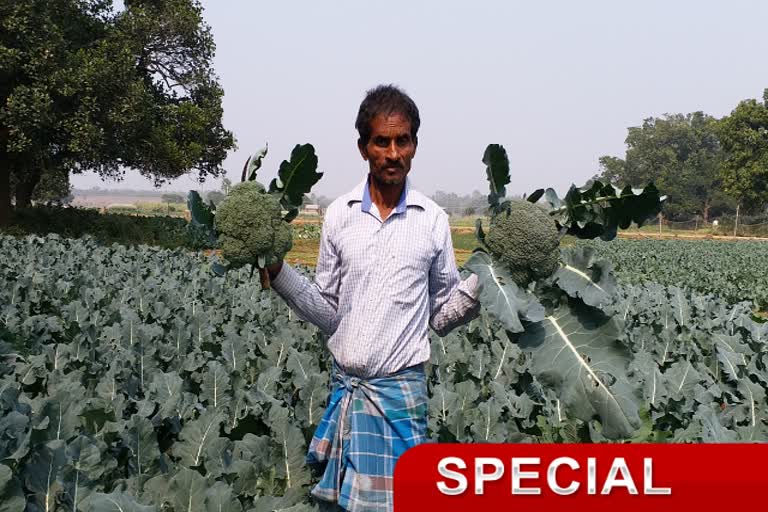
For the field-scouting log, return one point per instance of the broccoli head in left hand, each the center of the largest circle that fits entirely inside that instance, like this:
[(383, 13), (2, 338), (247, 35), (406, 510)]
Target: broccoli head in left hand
[(250, 225)]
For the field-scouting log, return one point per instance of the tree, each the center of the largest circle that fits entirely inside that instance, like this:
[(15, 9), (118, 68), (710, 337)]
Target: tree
[(681, 154), (83, 87), (215, 196), (172, 198), (744, 137)]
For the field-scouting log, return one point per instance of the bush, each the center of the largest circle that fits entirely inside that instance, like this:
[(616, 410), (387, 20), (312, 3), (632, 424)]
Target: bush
[(165, 232)]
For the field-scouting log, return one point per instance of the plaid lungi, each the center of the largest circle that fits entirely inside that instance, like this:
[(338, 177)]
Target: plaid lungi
[(367, 425)]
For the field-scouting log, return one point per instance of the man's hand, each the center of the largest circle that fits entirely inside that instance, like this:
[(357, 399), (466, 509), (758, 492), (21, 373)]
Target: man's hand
[(274, 270)]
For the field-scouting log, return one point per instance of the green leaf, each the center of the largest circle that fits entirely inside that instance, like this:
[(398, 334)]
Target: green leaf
[(215, 386), (188, 490), (11, 494), (253, 164), (141, 439), (500, 295), (582, 274), (115, 502), (575, 352), (497, 172), (83, 473), (535, 196), (292, 448), (195, 437), (599, 209), (42, 474), (220, 498), (296, 177), (200, 213)]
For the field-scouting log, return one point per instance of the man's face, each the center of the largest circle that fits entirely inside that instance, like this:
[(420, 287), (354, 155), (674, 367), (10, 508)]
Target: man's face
[(390, 149)]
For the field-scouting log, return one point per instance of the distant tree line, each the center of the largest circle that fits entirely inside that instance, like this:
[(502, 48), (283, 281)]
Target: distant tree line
[(706, 166)]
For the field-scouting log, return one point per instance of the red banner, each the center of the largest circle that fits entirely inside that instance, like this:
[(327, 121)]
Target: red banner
[(594, 477)]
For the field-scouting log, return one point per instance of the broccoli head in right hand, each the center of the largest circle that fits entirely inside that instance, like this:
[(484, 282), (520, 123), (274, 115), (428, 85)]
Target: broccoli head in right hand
[(524, 237), (250, 225)]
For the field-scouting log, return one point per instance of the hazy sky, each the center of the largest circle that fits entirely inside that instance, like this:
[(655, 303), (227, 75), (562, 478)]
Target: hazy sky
[(556, 83)]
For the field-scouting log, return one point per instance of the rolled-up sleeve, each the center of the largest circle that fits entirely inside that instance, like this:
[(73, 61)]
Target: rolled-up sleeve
[(453, 302)]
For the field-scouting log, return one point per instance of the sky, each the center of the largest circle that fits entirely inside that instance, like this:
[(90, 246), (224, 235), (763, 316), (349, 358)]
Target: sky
[(556, 83)]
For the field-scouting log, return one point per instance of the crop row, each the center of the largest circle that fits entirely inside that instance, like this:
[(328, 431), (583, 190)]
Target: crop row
[(733, 271), (134, 376)]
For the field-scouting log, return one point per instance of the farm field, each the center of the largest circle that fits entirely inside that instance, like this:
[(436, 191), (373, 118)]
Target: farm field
[(731, 270), (133, 375)]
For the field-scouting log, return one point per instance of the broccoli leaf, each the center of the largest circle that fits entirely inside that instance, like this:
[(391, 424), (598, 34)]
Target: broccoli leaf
[(116, 500), (202, 215), (497, 169), (296, 177), (500, 295), (253, 164), (535, 196), (598, 209), (582, 274), (11, 493), (576, 353), (201, 219)]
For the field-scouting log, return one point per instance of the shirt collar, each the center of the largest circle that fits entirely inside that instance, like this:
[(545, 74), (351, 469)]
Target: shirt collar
[(409, 197)]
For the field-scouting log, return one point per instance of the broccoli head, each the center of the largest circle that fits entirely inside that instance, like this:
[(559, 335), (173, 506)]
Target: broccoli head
[(250, 224), (525, 238)]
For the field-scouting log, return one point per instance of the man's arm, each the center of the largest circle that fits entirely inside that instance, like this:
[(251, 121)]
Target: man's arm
[(315, 302), (453, 302)]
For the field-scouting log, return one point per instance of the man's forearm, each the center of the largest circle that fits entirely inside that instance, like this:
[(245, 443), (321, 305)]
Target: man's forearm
[(303, 296), (461, 307)]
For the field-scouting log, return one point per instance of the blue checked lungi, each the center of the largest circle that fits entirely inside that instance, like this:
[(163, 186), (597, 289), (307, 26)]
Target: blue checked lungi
[(367, 425)]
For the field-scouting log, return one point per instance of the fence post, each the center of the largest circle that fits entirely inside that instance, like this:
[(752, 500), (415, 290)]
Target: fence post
[(736, 223), (660, 218), (697, 223)]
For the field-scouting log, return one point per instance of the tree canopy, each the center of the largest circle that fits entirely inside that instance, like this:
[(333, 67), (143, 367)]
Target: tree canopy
[(681, 154), (84, 87), (744, 137)]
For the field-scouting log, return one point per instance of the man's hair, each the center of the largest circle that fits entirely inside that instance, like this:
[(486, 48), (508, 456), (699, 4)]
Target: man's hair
[(386, 99)]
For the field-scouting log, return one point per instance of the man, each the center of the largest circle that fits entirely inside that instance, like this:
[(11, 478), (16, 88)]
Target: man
[(386, 272)]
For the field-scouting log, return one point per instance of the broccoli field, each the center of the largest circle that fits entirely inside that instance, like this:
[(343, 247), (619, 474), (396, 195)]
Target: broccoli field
[(136, 379)]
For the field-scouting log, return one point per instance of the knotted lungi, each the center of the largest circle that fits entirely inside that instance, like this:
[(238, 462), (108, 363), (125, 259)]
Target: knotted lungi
[(367, 425)]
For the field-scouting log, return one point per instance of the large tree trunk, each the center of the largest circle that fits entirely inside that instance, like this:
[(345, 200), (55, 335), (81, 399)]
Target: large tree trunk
[(25, 187), (5, 189), (707, 204), (5, 179)]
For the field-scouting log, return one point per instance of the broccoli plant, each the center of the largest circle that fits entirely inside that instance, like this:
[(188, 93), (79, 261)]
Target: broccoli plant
[(553, 301), (252, 224)]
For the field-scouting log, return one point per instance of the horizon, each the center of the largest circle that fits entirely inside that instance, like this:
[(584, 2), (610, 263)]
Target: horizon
[(557, 85)]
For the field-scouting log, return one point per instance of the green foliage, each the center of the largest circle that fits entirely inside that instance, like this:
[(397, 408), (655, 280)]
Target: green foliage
[(555, 305), (296, 177), (497, 172), (108, 228), (250, 227), (599, 209), (172, 198), (730, 270), (146, 382), (252, 223), (681, 154), (745, 169), (523, 236), (87, 87)]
